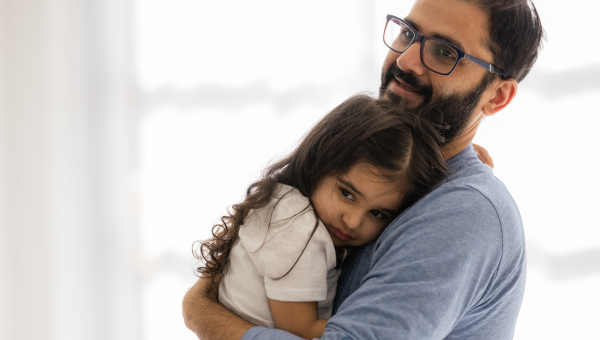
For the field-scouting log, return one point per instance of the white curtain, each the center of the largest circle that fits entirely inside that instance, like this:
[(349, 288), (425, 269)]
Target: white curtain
[(68, 237)]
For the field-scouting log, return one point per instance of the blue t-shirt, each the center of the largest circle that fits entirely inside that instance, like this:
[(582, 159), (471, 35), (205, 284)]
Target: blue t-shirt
[(452, 266)]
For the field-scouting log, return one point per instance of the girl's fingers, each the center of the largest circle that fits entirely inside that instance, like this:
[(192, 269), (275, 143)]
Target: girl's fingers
[(483, 155)]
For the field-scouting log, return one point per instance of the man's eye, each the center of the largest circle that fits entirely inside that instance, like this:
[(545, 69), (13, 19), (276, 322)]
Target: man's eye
[(446, 53), (347, 194), (377, 214), (407, 35)]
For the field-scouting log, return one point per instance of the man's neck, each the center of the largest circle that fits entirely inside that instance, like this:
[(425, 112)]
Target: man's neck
[(466, 137)]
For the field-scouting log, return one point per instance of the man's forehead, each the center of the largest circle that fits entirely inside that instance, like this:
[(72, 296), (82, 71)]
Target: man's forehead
[(456, 21), (434, 34)]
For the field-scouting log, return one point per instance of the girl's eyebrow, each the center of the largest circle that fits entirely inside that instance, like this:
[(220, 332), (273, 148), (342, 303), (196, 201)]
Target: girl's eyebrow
[(349, 184)]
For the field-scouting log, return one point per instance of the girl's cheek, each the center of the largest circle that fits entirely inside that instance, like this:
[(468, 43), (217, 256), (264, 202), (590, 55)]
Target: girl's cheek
[(375, 231), (326, 209)]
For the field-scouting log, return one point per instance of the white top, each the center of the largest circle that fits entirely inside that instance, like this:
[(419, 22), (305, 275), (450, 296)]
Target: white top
[(263, 253)]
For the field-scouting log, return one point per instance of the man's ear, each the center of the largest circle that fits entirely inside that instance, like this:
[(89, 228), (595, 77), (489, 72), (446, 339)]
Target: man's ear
[(503, 93)]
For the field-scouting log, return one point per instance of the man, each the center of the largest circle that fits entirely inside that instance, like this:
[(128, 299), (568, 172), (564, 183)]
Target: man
[(452, 266)]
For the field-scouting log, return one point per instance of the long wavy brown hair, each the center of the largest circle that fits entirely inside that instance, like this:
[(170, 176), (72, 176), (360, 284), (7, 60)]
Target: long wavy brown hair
[(403, 146)]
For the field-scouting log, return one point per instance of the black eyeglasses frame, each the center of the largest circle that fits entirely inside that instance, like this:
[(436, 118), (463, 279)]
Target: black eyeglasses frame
[(421, 38)]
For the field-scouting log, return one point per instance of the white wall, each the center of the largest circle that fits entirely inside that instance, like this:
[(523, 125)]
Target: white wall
[(66, 144)]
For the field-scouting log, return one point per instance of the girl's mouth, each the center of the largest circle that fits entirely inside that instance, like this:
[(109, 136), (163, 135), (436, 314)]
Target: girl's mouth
[(342, 235)]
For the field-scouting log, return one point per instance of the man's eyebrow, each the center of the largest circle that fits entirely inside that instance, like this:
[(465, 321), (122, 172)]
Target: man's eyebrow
[(437, 35), (448, 39), (412, 23)]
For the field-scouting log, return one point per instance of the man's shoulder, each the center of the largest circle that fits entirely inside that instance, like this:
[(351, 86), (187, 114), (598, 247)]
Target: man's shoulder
[(472, 204), (454, 218), (472, 187), (463, 201), (475, 183), (479, 191)]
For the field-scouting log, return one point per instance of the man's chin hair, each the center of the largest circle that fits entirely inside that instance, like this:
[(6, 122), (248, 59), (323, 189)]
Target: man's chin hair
[(392, 97), (400, 101), (449, 114)]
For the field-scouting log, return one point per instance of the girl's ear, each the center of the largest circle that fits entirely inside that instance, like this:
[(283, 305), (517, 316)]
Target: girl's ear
[(503, 93)]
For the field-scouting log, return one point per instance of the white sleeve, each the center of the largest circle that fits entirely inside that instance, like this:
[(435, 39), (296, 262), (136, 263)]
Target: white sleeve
[(274, 249)]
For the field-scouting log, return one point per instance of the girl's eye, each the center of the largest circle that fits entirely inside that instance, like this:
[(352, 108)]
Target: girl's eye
[(347, 194), (377, 214)]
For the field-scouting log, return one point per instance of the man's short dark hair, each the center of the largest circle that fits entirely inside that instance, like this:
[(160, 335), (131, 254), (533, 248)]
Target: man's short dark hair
[(515, 35)]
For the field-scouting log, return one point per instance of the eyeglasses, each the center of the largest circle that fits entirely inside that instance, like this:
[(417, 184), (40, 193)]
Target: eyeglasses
[(437, 55)]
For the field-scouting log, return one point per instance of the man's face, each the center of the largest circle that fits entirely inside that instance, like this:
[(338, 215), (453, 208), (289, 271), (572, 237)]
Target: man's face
[(451, 99)]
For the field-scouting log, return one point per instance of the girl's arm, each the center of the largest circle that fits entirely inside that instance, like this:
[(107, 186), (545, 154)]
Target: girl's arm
[(299, 318)]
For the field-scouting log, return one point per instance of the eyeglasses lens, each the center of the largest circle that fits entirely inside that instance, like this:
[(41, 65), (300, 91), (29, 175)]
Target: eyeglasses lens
[(398, 36), (436, 55)]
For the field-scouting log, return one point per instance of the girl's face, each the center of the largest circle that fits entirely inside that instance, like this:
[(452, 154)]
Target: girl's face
[(356, 206)]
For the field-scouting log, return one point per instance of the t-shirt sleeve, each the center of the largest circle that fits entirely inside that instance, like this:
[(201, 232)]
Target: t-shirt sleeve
[(290, 248)]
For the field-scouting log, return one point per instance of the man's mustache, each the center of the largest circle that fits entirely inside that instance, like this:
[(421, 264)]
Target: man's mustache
[(395, 72)]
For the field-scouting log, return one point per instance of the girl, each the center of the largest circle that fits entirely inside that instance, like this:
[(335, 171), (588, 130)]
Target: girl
[(278, 252)]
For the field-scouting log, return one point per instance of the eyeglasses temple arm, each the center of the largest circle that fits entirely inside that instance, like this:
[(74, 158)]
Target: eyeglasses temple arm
[(485, 65)]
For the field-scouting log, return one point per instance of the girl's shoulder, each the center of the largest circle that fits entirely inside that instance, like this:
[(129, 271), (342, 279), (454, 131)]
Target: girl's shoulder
[(289, 217), (287, 207), (287, 203), (276, 235)]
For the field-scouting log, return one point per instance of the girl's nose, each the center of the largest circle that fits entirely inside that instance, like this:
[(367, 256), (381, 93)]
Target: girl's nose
[(353, 219), (410, 60)]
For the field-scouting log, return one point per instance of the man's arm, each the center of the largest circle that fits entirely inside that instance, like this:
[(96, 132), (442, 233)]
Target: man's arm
[(207, 318)]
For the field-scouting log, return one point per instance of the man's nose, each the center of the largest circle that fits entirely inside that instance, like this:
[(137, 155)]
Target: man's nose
[(410, 60)]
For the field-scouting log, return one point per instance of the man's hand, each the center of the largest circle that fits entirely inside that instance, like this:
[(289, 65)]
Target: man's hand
[(483, 155), (207, 318)]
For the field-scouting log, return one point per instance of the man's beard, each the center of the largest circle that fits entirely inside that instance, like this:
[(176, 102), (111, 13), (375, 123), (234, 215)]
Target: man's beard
[(449, 114)]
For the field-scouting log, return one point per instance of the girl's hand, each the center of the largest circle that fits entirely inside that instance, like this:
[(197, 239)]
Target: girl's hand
[(483, 155)]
